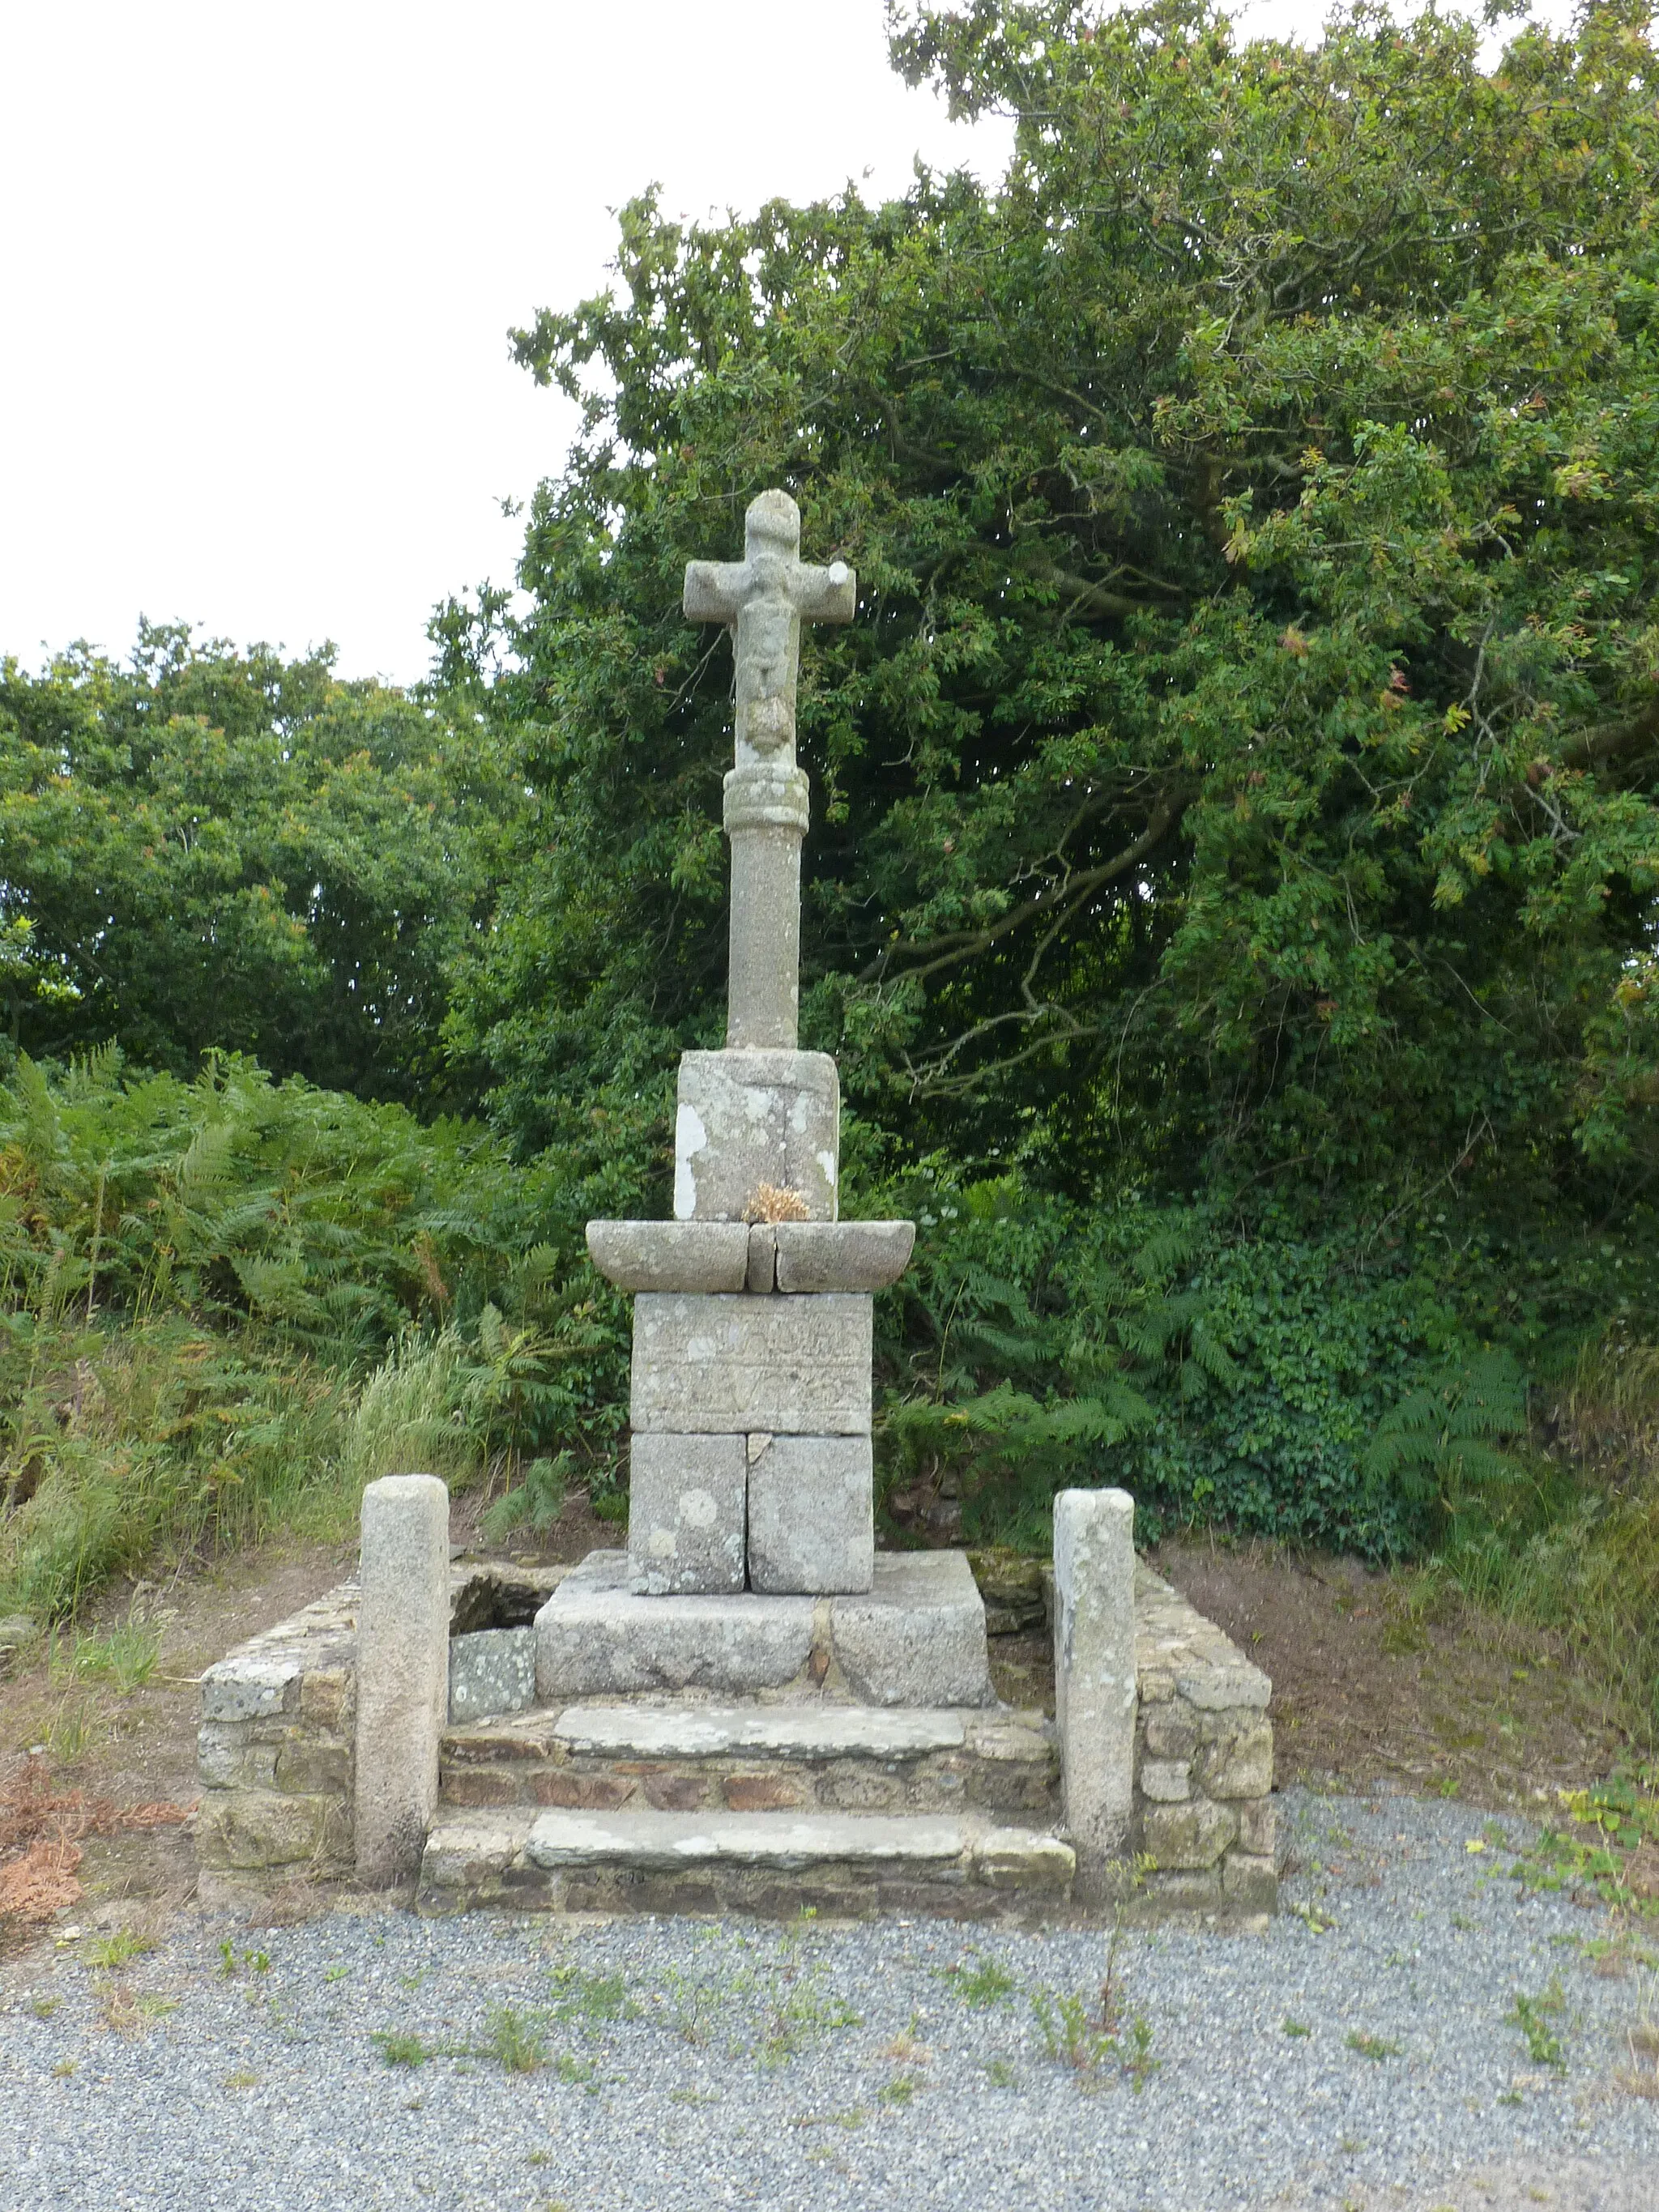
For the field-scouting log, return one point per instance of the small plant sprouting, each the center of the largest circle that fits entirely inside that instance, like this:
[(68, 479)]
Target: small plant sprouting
[(121, 1949), (231, 1963), (514, 2041), (579, 1995), (1296, 2027), (399, 2050), (243, 2078), (579, 2073), (1371, 2046), (43, 2006), (984, 1983), (901, 2090), (1532, 2016), (1000, 2074)]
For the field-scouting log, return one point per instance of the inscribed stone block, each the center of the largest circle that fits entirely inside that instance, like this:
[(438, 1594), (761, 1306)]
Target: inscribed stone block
[(746, 1118), (812, 1514), (743, 1365), (686, 1513)]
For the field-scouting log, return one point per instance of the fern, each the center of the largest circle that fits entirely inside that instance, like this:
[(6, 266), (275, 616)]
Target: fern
[(1439, 1446)]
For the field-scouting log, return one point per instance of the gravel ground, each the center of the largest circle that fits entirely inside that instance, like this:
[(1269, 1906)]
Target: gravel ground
[(907, 2065)]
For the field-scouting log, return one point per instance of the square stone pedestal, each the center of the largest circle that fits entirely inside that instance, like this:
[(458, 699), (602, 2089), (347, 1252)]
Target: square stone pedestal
[(917, 1637)]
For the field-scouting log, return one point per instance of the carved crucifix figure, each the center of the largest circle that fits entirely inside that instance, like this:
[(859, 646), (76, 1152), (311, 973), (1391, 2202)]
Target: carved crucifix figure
[(763, 599)]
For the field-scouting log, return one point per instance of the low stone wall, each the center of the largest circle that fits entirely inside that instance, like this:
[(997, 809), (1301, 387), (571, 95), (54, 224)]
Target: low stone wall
[(1202, 1823), (275, 1750)]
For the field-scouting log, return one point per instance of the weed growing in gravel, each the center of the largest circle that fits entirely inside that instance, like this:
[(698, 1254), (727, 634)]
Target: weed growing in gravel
[(121, 1949), (337, 1974), (1532, 2016), (122, 2012), (578, 2073), (400, 2050), (1316, 1921), (230, 1964), (515, 2042), (243, 2078), (1296, 2027), (981, 1985), (43, 2007), (64, 2068), (1371, 2046), (1000, 2074), (799, 2018), (585, 1997), (854, 2116), (1609, 1847), (901, 2090)]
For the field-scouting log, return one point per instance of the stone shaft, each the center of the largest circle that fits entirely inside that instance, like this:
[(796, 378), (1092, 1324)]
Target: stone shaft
[(1095, 1668), (763, 599), (403, 1670)]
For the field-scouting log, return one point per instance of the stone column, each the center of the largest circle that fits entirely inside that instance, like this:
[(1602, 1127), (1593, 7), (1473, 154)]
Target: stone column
[(766, 812), (403, 1671), (1094, 1671)]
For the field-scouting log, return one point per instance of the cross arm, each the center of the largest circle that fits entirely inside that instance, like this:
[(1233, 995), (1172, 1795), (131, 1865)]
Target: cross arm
[(714, 590), (825, 595)]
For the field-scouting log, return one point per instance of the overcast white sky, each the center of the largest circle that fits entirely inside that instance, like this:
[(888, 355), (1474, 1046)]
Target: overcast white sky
[(259, 263)]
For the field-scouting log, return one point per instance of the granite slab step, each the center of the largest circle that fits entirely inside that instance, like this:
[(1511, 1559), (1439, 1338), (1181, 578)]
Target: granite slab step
[(787, 1758), (769, 1863)]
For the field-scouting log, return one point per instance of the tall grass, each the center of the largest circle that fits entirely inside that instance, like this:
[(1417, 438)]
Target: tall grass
[(225, 1306), (1580, 1551)]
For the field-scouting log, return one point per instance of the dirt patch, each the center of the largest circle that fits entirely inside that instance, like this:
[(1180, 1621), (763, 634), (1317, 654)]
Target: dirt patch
[(1376, 1679)]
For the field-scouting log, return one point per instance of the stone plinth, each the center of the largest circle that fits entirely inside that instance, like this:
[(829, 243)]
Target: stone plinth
[(916, 1638), (688, 1512), (749, 1118), (747, 1365), (812, 1514)]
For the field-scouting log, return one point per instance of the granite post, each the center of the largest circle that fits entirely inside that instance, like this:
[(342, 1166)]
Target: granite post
[(1095, 1672), (403, 1671)]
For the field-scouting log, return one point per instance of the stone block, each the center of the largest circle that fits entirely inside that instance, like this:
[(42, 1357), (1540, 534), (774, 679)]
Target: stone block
[(491, 1671), (1257, 1826), (687, 1513), (326, 1694), (1189, 1838), (671, 1255), (842, 1256), (581, 1793), (682, 1840), (1169, 1730), (735, 1365), (751, 1117), (403, 1670), (251, 1830), (596, 1638), (222, 1755), (918, 1637), (805, 1732), (812, 1514), (1095, 1667), (1240, 1765), (309, 1769), (1249, 1884), (1166, 1781), (762, 1793), (244, 1688), (1020, 1858)]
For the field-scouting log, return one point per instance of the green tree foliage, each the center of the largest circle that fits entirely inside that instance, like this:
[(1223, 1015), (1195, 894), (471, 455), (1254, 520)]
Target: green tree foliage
[(206, 849), (1243, 758)]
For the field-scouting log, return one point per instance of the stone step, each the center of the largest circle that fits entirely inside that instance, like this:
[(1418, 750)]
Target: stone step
[(749, 1758), (848, 1865)]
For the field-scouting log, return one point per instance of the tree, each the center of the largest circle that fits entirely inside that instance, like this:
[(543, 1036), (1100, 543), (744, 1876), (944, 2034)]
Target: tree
[(1243, 759), (210, 849)]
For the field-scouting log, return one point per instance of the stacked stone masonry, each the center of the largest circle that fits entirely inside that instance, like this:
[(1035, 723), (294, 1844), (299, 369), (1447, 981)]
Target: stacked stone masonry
[(275, 1750), (274, 1754), (1202, 1812)]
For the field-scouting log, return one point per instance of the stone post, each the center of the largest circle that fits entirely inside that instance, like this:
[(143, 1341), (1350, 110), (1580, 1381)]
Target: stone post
[(403, 1671), (1095, 1672)]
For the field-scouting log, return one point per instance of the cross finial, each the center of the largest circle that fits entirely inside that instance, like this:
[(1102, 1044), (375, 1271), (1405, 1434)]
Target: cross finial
[(764, 599)]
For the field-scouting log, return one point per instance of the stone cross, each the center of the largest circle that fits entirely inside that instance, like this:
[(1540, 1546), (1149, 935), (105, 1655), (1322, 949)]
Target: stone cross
[(763, 599)]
